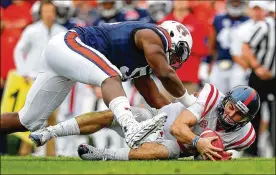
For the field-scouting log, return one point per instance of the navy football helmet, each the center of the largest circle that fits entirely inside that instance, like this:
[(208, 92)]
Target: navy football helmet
[(246, 100)]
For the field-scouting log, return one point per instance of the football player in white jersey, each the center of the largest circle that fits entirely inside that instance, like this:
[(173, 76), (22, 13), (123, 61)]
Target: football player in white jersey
[(228, 115)]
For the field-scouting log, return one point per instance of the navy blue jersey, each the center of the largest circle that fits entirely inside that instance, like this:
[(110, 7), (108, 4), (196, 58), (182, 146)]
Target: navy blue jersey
[(224, 25), (116, 42)]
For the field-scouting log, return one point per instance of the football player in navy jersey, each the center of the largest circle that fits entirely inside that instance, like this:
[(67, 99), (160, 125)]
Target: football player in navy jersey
[(108, 12), (130, 12), (105, 56)]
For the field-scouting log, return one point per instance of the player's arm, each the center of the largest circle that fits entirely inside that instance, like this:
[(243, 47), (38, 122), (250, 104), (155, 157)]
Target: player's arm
[(181, 130), (148, 89), (212, 47), (148, 41), (22, 48)]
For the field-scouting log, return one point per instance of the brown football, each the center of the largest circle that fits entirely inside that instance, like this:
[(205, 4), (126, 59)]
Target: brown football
[(216, 143)]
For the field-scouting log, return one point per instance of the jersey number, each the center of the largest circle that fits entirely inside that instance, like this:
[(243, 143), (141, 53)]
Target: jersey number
[(138, 72), (182, 30), (14, 96)]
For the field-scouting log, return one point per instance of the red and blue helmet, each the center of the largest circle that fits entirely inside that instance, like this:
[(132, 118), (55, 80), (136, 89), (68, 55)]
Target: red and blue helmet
[(246, 100)]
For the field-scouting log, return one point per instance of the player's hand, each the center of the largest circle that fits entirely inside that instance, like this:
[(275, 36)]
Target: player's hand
[(98, 92), (226, 155), (206, 149), (27, 79), (263, 73), (2, 82)]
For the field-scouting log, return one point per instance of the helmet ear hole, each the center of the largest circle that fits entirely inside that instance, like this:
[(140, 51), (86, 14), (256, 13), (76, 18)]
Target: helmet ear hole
[(171, 34)]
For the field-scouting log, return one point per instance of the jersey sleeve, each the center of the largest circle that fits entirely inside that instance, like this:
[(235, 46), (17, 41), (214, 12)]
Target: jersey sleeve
[(243, 138), (165, 38), (173, 109), (206, 100)]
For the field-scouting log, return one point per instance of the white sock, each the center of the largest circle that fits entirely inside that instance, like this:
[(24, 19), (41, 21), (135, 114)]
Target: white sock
[(66, 128), (119, 154), (121, 109)]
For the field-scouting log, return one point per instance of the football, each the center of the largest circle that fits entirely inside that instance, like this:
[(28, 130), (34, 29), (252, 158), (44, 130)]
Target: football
[(217, 143)]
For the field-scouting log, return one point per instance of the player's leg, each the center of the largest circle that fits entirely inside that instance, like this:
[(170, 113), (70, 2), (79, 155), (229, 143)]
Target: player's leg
[(10, 123), (84, 124), (167, 149), (45, 95), (89, 66), (87, 123)]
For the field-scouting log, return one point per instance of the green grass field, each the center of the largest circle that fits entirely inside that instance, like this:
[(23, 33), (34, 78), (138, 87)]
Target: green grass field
[(61, 165)]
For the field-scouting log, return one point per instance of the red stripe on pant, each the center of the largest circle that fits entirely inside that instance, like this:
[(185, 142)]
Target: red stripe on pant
[(87, 53)]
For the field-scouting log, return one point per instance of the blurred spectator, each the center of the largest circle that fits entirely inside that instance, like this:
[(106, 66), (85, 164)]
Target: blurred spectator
[(205, 12), (130, 12), (34, 38), (239, 36), (28, 50), (13, 20), (259, 50), (65, 15), (86, 11), (108, 12), (188, 72), (159, 9), (6, 3), (225, 74)]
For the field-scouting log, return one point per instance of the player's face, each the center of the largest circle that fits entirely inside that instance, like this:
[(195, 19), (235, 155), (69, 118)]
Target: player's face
[(108, 5), (232, 114), (236, 3), (257, 13), (48, 13)]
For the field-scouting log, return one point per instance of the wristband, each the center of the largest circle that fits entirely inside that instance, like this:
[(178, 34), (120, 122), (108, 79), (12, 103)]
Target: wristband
[(194, 143), (187, 100)]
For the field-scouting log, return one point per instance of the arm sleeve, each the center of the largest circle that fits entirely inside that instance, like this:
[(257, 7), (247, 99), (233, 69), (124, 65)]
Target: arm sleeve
[(22, 47), (243, 138), (206, 101)]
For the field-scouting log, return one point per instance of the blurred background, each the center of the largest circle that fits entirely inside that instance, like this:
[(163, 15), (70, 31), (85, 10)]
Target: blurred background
[(223, 38)]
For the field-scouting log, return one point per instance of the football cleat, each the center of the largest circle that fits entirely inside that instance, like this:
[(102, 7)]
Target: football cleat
[(136, 133), (87, 152), (42, 136)]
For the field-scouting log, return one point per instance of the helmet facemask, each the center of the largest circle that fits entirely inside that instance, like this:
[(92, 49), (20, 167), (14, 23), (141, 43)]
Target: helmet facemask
[(226, 122), (179, 54)]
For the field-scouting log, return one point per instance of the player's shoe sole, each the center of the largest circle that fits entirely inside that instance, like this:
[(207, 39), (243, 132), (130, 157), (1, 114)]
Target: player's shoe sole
[(36, 139), (41, 136), (87, 152), (142, 134)]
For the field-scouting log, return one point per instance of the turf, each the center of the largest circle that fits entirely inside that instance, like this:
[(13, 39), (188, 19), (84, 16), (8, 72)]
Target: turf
[(62, 165)]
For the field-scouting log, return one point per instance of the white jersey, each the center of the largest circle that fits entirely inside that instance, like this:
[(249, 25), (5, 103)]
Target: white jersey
[(205, 110)]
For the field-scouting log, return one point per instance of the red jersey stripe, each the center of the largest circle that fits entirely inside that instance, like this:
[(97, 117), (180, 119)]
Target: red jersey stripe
[(208, 99), (248, 144), (243, 139), (212, 105)]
